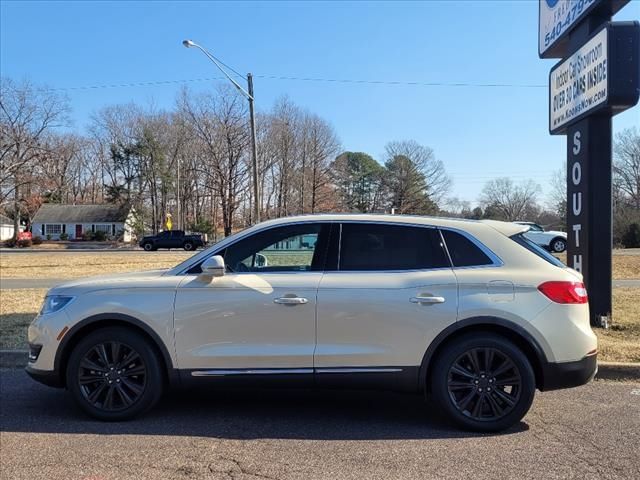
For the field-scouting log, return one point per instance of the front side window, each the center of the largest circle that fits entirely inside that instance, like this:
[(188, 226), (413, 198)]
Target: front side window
[(370, 246), (290, 248), (464, 252)]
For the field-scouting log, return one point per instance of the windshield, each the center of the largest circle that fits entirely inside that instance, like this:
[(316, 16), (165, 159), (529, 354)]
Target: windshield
[(520, 239)]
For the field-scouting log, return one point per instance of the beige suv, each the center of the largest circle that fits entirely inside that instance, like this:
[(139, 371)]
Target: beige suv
[(472, 313)]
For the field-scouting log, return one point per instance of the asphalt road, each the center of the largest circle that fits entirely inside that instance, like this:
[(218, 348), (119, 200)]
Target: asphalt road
[(592, 432)]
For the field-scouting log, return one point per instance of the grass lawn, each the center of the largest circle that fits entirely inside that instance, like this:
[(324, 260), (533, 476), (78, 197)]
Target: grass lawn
[(621, 343), (73, 265), (625, 267)]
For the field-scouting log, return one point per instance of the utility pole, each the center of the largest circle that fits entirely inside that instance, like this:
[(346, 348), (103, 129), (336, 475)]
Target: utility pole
[(252, 120), (254, 152)]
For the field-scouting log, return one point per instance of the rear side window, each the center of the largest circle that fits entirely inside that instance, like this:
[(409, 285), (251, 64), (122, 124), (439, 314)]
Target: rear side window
[(373, 246), (463, 252), (523, 241)]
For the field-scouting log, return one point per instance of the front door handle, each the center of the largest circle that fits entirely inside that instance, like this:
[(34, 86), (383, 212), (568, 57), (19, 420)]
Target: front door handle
[(290, 300), (428, 299)]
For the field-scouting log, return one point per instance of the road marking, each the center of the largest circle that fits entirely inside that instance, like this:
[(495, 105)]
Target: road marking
[(635, 391)]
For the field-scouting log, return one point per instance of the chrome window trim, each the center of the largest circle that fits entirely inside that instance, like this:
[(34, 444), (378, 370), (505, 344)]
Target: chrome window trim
[(223, 244)]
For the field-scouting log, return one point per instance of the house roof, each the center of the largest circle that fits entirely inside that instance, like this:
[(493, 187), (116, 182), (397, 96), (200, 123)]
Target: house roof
[(5, 220), (59, 213)]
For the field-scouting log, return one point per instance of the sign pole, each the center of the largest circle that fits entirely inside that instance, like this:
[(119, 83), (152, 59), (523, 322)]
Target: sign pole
[(589, 162)]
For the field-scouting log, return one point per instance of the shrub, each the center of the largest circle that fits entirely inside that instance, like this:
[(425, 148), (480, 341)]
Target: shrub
[(64, 236), (100, 236), (10, 243), (88, 236), (37, 240), (48, 236), (631, 237), (25, 242)]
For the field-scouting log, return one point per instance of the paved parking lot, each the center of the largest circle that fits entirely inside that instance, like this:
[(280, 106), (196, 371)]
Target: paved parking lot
[(584, 433)]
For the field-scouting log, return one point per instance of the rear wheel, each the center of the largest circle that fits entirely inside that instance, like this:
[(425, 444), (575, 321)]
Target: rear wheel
[(558, 245), (483, 382), (114, 374)]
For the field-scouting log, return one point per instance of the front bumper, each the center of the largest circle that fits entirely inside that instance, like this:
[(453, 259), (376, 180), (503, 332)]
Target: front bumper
[(50, 378), (569, 374)]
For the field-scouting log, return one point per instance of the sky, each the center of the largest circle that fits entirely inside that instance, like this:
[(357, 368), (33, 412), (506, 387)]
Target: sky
[(478, 132)]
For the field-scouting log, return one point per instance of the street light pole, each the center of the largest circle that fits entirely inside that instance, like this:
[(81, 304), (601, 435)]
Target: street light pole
[(254, 152), (252, 120)]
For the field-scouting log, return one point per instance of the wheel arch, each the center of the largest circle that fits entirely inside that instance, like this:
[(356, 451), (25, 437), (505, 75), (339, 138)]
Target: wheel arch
[(95, 322), (513, 332)]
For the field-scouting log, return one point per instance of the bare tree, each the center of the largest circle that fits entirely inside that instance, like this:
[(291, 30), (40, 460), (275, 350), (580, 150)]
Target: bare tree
[(436, 181), (626, 165), (510, 200), (27, 114)]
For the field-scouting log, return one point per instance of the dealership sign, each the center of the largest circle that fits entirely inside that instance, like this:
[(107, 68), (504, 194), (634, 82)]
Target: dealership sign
[(558, 17), (603, 74)]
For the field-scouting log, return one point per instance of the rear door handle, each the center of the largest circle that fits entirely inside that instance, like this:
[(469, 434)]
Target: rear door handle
[(290, 300), (426, 299)]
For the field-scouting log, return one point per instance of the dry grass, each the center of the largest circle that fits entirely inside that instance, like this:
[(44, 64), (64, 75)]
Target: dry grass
[(74, 265), (621, 343), (625, 267), (17, 309)]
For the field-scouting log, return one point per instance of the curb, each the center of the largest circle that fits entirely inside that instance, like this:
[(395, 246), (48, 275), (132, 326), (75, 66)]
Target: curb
[(606, 370), (618, 371)]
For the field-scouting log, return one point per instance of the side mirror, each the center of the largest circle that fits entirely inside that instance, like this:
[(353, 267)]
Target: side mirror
[(213, 266)]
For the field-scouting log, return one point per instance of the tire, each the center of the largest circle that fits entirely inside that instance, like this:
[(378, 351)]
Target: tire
[(558, 245), (188, 246), (148, 247), (120, 395), (462, 391)]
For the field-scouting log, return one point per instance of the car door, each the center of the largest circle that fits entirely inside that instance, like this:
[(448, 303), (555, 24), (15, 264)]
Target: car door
[(537, 235), (391, 291), (261, 313)]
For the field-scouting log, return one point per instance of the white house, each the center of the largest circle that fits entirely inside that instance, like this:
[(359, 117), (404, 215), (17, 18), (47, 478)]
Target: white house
[(6, 228), (53, 220)]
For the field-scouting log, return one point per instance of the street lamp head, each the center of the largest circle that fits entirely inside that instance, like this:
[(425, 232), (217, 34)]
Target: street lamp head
[(188, 43)]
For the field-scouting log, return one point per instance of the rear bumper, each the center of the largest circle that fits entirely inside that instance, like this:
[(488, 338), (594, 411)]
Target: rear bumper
[(569, 374), (50, 378)]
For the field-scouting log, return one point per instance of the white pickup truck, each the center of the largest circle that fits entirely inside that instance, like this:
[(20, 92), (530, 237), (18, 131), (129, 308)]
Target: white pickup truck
[(552, 240)]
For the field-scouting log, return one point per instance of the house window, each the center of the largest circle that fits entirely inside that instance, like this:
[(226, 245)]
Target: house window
[(103, 228), (53, 229)]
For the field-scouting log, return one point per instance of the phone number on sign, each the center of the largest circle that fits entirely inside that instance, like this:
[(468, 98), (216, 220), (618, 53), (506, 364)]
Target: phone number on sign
[(564, 18)]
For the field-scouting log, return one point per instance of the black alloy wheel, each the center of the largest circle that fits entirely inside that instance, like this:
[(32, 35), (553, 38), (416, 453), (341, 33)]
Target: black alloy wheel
[(112, 376), (188, 246), (115, 373), (483, 382)]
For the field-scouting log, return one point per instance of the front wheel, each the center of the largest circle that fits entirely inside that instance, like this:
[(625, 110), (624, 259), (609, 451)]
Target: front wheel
[(114, 374), (188, 246), (148, 247), (483, 382), (558, 245)]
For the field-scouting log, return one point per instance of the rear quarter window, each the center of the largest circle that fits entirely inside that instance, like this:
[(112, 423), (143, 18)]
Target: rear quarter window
[(464, 252), (536, 249)]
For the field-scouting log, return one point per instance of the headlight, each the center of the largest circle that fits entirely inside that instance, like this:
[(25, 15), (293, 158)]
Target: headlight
[(54, 303)]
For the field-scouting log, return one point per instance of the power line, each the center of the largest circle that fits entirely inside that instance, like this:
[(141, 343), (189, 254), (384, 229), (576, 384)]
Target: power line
[(303, 79)]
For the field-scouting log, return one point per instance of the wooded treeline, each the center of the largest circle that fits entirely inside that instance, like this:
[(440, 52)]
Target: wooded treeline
[(193, 162)]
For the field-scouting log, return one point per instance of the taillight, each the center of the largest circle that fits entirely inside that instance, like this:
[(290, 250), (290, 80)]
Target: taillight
[(565, 292)]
